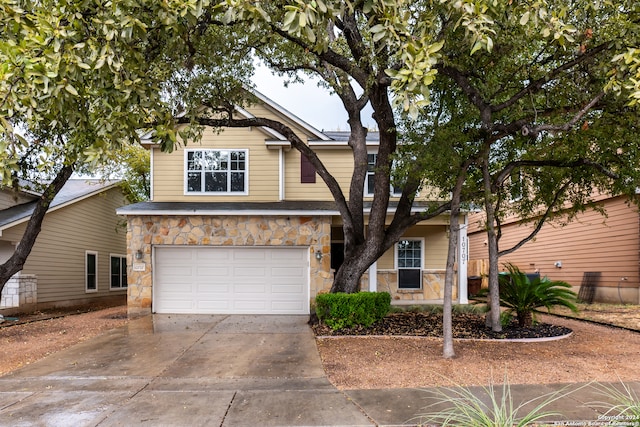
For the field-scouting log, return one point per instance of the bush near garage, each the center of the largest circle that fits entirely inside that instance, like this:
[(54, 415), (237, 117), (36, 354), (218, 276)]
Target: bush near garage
[(342, 310)]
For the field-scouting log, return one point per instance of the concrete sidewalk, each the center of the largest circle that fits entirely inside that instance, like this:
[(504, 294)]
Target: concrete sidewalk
[(579, 404), (179, 370)]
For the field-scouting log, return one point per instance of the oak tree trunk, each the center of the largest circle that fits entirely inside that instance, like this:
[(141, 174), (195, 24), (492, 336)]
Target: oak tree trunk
[(493, 316)]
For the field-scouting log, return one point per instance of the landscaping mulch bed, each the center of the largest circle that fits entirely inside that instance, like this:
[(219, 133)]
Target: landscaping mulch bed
[(465, 326)]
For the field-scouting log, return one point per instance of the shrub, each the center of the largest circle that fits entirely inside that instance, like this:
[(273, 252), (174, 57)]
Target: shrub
[(341, 310), (522, 295)]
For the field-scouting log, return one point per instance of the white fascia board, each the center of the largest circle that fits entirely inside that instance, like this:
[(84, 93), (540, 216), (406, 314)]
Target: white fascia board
[(336, 144), (331, 144), (277, 144), (290, 115), (268, 130)]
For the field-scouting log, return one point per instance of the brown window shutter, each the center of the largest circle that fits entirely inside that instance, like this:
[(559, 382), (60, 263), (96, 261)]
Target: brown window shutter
[(307, 171)]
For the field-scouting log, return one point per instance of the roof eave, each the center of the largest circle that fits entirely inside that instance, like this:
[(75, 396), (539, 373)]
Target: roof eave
[(27, 216)]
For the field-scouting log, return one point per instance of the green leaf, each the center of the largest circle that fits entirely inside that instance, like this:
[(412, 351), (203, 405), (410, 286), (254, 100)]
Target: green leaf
[(71, 90)]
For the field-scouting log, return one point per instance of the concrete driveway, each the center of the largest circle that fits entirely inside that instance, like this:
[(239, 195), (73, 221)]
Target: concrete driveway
[(182, 370)]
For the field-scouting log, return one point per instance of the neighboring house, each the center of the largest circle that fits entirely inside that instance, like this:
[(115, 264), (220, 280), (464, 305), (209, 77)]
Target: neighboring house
[(608, 245), (240, 223), (80, 254)]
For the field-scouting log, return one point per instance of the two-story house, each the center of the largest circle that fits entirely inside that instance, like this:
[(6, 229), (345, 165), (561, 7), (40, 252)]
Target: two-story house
[(240, 223)]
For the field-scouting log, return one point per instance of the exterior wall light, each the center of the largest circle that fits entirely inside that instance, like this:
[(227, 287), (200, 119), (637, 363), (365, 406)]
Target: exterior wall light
[(139, 254), (318, 255)]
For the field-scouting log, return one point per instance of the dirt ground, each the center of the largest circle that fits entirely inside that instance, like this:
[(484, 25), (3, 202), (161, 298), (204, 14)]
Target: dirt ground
[(24, 343), (592, 353)]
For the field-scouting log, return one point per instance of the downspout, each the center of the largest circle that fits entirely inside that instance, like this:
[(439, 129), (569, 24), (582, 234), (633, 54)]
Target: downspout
[(151, 150), (281, 189)]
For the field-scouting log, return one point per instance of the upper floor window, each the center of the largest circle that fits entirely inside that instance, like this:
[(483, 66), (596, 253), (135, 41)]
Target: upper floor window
[(216, 171), (371, 173)]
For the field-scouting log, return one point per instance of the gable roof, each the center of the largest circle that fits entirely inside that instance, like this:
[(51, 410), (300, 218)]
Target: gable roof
[(72, 192), (306, 126)]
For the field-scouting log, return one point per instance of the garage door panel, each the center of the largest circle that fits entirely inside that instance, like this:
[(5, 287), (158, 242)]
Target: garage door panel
[(211, 288), (288, 254), (247, 305), (212, 271), (286, 289), (250, 288), (240, 271), (251, 280), (218, 305), (177, 271), (286, 272), (212, 255), (285, 307), (248, 254)]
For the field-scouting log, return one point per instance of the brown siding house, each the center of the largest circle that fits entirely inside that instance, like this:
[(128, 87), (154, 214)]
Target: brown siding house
[(609, 245)]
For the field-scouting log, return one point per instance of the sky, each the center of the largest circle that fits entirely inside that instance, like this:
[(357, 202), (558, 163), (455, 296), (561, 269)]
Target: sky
[(312, 104)]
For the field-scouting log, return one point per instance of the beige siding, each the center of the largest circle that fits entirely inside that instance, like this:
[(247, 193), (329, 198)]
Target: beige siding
[(58, 257), (262, 110), (169, 168), (339, 162), (435, 247), (589, 243)]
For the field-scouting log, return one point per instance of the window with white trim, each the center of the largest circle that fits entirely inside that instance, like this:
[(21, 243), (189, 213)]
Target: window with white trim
[(118, 268), (91, 271), (409, 256), (216, 172), (371, 173)]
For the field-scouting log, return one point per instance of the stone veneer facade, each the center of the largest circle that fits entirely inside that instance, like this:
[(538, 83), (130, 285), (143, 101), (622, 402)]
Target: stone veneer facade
[(432, 286), (20, 292), (144, 232)]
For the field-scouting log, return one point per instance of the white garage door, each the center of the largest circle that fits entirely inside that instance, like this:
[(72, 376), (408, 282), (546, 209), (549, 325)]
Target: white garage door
[(231, 280)]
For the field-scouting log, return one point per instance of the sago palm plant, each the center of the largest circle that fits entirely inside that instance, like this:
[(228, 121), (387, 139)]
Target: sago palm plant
[(522, 295)]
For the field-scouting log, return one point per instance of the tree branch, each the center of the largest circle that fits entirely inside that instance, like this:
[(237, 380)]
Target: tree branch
[(548, 212), (535, 131), (537, 84)]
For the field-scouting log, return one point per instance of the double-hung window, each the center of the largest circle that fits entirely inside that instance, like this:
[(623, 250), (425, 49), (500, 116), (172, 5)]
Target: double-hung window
[(371, 173), (91, 271), (216, 172), (118, 272), (409, 262)]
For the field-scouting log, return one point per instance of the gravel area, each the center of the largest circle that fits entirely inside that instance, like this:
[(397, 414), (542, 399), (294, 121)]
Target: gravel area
[(591, 353)]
